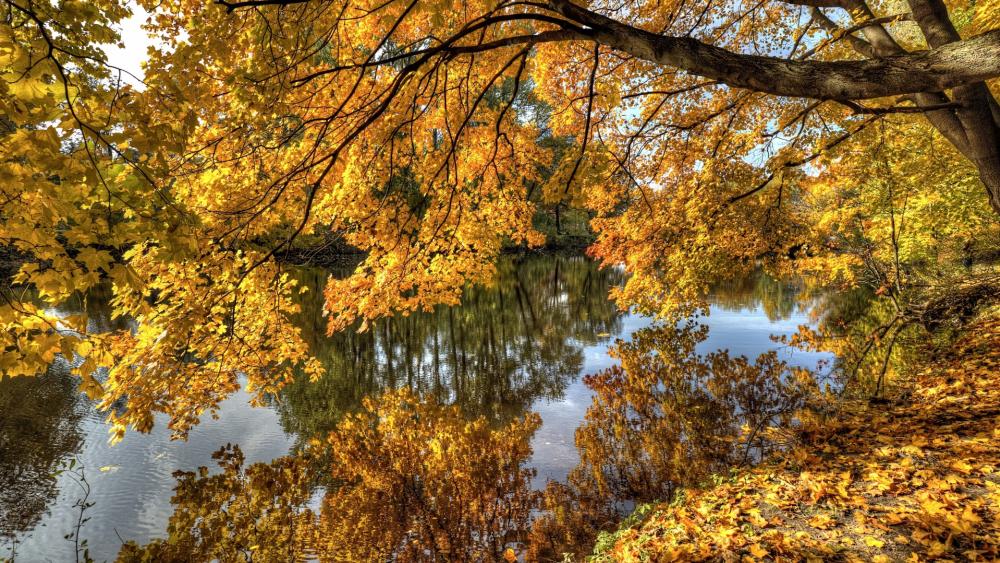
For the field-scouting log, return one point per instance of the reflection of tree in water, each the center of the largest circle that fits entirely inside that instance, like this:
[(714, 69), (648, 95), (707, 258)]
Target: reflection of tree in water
[(867, 335), (411, 481), (39, 427), (776, 297), (503, 348), (241, 513), (665, 418), (96, 305), (39, 424), (865, 332)]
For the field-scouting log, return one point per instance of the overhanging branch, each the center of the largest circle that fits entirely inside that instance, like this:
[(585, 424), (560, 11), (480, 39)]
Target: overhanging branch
[(955, 64)]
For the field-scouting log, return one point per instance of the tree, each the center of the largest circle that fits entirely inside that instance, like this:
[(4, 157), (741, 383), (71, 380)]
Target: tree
[(406, 128)]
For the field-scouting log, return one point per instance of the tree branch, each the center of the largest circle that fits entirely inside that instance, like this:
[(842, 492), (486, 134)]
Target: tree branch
[(837, 33), (230, 6), (969, 61), (816, 3), (880, 44), (862, 109)]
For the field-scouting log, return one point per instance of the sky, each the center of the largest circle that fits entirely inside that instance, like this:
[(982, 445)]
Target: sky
[(137, 43)]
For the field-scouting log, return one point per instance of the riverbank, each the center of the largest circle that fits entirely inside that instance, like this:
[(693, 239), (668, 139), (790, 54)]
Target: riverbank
[(915, 479), (337, 256), (334, 254)]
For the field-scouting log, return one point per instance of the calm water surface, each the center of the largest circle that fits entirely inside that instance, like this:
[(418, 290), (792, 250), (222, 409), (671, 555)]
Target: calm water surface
[(523, 345)]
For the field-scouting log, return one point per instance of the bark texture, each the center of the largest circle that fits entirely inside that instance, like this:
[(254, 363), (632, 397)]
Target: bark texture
[(948, 66)]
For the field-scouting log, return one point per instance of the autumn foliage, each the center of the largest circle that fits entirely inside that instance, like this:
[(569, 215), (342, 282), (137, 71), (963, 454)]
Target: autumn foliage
[(425, 134), (851, 144)]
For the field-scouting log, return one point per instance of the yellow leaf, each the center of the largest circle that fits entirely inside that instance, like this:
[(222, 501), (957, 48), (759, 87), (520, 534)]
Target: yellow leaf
[(755, 518), (822, 522), (873, 542), (893, 518), (961, 466), (932, 506)]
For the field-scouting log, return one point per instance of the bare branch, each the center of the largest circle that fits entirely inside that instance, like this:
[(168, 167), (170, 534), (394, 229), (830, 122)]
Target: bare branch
[(230, 6)]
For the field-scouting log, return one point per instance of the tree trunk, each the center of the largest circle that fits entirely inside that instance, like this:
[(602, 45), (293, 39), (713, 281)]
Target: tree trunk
[(991, 179)]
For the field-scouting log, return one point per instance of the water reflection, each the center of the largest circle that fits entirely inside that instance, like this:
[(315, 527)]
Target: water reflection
[(241, 513), (412, 480), (516, 348), (39, 428), (505, 348), (777, 298), (867, 334), (666, 417)]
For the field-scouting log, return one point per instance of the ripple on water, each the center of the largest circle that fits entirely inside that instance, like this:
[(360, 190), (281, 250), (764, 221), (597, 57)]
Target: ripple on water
[(132, 494)]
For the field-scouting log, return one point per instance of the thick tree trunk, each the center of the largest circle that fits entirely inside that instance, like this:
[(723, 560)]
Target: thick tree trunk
[(983, 136), (977, 109), (990, 177)]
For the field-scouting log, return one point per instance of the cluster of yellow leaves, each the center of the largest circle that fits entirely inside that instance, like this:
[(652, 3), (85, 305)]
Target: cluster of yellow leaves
[(53, 206), (84, 204), (226, 324), (895, 200), (423, 170), (916, 481), (180, 193), (987, 15)]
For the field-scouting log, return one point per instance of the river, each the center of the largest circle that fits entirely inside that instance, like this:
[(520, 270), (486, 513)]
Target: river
[(520, 346)]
